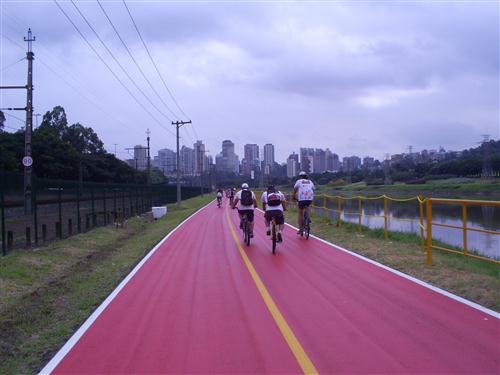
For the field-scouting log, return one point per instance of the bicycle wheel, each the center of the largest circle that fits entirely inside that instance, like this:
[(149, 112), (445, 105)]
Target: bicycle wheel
[(247, 232), (307, 226), (273, 236)]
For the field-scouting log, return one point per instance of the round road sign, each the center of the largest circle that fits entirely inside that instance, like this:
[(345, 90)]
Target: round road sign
[(27, 161)]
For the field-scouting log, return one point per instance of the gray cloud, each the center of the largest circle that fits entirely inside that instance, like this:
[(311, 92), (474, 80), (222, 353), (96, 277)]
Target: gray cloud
[(359, 78)]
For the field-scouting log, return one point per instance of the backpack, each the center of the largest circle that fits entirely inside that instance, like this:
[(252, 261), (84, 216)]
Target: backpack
[(273, 199), (246, 198)]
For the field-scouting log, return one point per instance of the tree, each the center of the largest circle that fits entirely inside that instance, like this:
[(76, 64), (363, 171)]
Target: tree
[(56, 119), (83, 139), (2, 121)]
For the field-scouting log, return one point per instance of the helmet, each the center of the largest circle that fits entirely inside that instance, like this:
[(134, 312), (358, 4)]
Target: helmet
[(303, 174), (244, 186), (271, 189)]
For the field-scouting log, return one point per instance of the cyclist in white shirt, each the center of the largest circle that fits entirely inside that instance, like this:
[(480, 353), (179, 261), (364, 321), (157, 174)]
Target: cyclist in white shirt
[(219, 197), (303, 192), (274, 203), (246, 202)]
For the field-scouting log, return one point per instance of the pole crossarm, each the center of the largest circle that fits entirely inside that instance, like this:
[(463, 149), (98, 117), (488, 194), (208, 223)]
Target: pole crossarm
[(13, 87)]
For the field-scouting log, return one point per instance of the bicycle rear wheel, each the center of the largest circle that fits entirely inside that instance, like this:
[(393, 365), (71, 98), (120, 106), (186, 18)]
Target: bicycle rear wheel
[(307, 227), (247, 233), (273, 237)]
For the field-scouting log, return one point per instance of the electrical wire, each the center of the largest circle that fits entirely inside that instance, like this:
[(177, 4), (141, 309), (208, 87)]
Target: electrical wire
[(134, 60), (60, 68), (12, 64), (118, 63), (87, 98), (155, 66), (109, 68)]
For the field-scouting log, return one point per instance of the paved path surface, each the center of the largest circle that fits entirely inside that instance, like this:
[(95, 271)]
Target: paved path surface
[(202, 303)]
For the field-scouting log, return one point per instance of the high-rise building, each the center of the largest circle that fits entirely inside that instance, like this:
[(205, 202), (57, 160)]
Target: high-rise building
[(332, 161), (307, 159), (319, 160), (166, 161), (186, 161), (368, 162), (268, 156), (227, 161), (199, 158), (140, 157), (251, 160), (351, 163), (292, 167)]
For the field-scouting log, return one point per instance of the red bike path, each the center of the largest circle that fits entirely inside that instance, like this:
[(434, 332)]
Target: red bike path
[(194, 306)]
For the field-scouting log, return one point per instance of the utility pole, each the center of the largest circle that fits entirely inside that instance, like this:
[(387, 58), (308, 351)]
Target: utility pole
[(177, 125), (116, 144), (149, 158), (37, 115), (27, 160)]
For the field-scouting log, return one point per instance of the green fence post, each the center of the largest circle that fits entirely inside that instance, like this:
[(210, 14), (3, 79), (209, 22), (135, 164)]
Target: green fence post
[(78, 219), (114, 203), (123, 203), (104, 207), (93, 207), (35, 213), (59, 204), (2, 214)]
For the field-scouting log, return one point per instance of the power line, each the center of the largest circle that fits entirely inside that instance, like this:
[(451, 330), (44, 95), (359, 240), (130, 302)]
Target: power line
[(109, 68), (154, 64), (118, 63), (17, 118), (134, 60), (14, 63), (58, 75), (87, 98)]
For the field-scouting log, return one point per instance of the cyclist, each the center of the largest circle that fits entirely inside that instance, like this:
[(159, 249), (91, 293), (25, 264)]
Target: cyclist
[(274, 203), (304, 188), (219, 197), (232, 191), (246, 202)]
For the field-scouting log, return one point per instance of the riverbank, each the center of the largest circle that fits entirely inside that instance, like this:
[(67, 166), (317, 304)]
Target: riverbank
[(473, 279), (47, 293)]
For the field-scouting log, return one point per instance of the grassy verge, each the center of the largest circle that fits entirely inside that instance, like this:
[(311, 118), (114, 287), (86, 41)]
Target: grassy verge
[(473, 279), (46, 294)]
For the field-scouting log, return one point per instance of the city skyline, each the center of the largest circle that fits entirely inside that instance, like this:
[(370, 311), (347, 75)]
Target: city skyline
[(311, 160)]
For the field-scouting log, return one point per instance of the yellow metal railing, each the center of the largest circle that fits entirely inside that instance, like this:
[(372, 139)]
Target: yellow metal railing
[(425, 221), (464, 203)]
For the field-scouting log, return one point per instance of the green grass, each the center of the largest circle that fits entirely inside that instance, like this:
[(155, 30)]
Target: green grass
[(473, 279), (48, 293)]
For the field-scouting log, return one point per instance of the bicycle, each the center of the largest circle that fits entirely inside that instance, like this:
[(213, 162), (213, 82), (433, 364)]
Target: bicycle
[(246, 230), (273, 234), (219, 202), (306, 223)]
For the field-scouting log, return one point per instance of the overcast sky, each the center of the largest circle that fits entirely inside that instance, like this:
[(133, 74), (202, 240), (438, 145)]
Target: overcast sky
[(361, 78)]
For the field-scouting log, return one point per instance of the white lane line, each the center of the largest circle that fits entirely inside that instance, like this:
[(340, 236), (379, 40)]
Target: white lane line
[(85, 326), (408, 277)]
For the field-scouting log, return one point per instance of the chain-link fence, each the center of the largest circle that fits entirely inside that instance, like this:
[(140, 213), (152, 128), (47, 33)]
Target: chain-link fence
[(63, 208)]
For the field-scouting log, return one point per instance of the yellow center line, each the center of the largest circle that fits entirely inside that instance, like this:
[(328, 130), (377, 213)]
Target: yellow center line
[(292, 341)]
